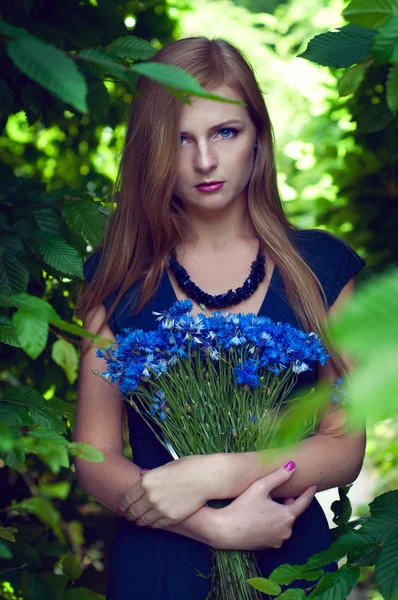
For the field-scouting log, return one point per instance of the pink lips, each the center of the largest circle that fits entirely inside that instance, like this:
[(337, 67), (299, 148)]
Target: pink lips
[(210, 187)]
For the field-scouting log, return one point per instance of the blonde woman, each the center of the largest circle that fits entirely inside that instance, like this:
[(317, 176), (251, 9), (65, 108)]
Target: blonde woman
[(198, 212)]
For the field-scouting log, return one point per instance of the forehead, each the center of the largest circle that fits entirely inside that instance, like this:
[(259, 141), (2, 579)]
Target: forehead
[(205, 113)]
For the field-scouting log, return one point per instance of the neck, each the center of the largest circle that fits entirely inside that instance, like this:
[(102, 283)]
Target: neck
[(216, 229)]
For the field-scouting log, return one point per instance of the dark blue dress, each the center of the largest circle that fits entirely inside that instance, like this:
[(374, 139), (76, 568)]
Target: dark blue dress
[(152, 563)]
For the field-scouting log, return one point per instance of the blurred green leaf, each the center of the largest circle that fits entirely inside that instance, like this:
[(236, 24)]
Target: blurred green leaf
[(45, 511), (392, 87), (65, 355), (385, 43), (293, 594), (5, 552), (351, 79), (60, 489), (370, 14), (50, 68), (99, 341), (175, 78), (32, 332), (85, 451), (82, 594), (71, 566), (7, 533)]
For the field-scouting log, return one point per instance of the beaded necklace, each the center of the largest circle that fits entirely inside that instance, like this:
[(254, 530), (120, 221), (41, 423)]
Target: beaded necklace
[(229, 298)]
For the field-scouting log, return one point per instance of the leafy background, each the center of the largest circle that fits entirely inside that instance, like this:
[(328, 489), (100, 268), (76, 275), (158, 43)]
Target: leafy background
[(331, 85)]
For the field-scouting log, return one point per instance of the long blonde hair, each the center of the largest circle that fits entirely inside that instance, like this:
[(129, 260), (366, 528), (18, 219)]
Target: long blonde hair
[(149, 220)]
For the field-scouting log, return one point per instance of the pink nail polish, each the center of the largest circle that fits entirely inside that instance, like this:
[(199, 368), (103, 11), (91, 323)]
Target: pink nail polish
[(290, 466), (119, 511), (150, 527), (143, 471)]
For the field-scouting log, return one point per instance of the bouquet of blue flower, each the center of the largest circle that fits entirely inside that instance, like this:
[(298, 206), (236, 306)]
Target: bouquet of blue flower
[(212, 384)]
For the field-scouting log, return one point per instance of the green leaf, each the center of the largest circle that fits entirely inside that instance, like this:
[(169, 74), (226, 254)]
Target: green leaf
[(48, 221), (76, 534), (337, 585), (84, 216), (99, 61), (99, 341), (71, 566), (175, 78), (133, 48), (32, 332), (60, 489), (51, 436), (13, 415), (383, 524), (387, 570), (65, 355), (370, 14), (347, 542), (51, 69), (7, 533), (385, 43), (14, 276), (351, 79), (8, 335), (85, 451), (392, 87), (11, 31), (285, 574), (57, 253), (47, 419), (8, 435), (345, 47), (45, 511), (265, 585), (25, 395), (5, 551), (384, 501), (37, 306), (293, 594), (82, 594)]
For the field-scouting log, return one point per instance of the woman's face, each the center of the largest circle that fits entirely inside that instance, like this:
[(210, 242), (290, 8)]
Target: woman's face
[(213, 150)]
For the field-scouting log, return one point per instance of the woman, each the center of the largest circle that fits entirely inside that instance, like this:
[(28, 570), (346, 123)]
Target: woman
[(173, 214)]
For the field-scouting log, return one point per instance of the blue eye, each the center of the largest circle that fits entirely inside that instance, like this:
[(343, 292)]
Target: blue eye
[(229, 130)]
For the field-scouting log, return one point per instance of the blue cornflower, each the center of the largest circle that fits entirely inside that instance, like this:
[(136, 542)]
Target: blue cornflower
[(159, 405), (246, 374)]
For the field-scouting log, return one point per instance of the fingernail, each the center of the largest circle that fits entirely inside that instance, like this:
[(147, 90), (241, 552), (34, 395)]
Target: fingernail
[(150, 527), (143, 471), (290, 466), (119, 511)]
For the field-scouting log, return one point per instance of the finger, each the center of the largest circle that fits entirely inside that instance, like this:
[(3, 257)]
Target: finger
[(302, 502), (276, 478), (288, 501), (148, 519), (137, 509), (132, 495)]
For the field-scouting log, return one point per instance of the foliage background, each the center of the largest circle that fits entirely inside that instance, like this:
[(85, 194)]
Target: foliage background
[(337, 163)]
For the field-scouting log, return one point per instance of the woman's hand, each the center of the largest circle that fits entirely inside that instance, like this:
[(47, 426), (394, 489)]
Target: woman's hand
[(168, 494), (253, 521)]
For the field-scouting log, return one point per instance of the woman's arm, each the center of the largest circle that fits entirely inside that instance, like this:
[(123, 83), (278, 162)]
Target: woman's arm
[(332, 457), (99, 418)]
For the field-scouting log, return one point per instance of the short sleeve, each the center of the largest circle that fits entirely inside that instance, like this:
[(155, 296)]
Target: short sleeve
[(330, 257)]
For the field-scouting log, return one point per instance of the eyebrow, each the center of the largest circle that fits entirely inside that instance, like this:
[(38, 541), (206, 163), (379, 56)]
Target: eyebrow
[(223, 124)]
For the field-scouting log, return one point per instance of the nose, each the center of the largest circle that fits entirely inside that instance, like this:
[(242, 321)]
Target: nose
[(205, 158)]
